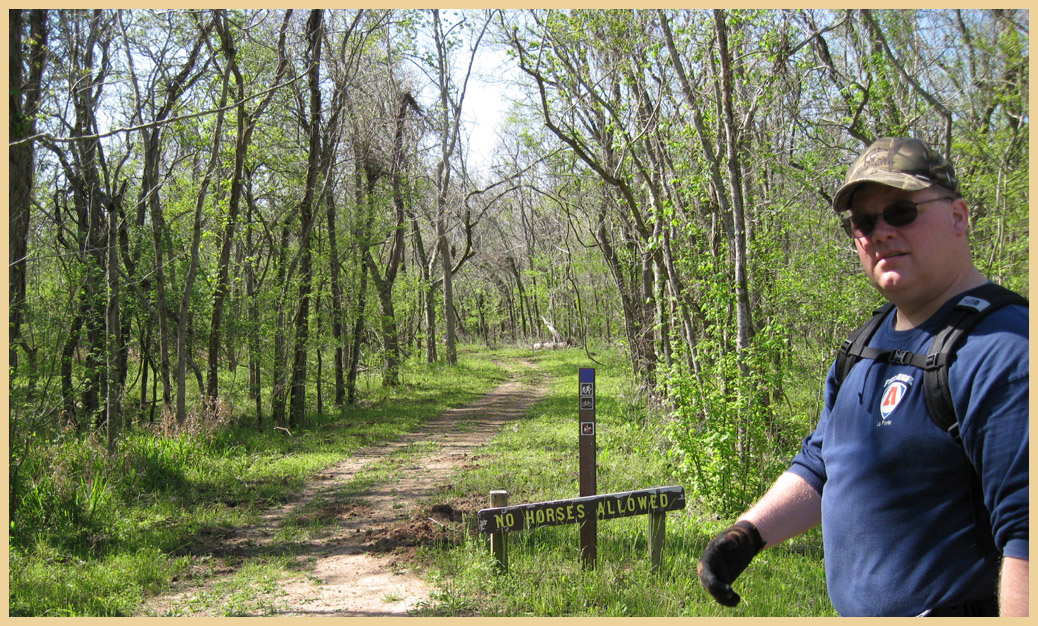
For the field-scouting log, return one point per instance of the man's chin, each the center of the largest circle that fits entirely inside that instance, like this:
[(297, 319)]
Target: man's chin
[(891, 284), (888, 281)]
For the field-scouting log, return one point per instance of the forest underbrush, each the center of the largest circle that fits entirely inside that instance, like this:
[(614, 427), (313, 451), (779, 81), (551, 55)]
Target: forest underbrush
[(91, 533)]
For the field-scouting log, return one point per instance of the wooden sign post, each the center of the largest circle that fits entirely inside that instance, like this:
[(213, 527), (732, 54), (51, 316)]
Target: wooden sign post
[(588, 465), (655, 502), (499, 540), (501, 519)]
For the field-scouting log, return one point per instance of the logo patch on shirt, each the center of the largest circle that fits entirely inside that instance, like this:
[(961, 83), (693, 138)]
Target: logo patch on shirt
[(894, 391)]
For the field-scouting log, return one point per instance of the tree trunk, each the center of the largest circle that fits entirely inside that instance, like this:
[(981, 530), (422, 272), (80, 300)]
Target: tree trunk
[(390, 332), (89, 199), (246, 126), (113, 401), (320, 361), (631, 312), (744, 317), (337, 313), (149, 202), (523, 305), (158, 230), (384, 285), (744, 322), (428, 291), (279, 389), (430, 324), (68, 392), (358, 337), (23, 103), (314, 34), (252, 293), (450, 332), (451, 111), (192, 270)]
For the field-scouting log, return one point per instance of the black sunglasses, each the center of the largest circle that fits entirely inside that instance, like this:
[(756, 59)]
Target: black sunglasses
[(900, 213)]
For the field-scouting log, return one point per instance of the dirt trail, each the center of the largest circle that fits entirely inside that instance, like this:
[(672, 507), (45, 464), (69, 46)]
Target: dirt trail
[(354, 570)]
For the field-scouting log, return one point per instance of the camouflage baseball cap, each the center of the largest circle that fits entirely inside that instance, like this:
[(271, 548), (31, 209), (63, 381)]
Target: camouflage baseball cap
[(907, 164)]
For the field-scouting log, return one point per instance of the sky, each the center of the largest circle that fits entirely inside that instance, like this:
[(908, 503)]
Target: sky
[(491, 89), (486, 104)]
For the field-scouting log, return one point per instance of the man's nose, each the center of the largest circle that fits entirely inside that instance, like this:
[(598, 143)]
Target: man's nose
[(882, 229)]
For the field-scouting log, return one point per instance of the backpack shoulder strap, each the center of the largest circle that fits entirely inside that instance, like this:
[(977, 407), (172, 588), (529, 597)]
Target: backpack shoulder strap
[(967, 313), (856, 347)]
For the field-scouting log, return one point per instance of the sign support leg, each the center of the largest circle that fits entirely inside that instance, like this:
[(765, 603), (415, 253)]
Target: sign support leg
[(499, 540), (589, 544), (657, 528)]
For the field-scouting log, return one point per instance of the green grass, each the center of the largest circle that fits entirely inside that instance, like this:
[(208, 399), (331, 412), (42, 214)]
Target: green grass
[(92, 535), (537, 461), (253, 589)]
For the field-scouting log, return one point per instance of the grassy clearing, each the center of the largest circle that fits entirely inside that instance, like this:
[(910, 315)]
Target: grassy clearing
[(537, 461), (93, 536)]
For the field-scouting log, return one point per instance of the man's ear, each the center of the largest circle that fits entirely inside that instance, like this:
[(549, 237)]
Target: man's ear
[(960, 214)]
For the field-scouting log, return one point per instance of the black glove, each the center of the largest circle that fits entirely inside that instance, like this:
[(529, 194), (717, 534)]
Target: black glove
[(725, 558)]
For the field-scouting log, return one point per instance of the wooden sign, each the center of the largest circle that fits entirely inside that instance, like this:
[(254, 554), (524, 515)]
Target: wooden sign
[(581, 510)]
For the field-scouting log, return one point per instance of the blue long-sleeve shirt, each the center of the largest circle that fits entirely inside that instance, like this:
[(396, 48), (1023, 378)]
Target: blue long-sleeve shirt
[(898, 521)]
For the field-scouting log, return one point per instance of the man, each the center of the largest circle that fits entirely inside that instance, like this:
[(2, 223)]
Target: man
[(902, 533)]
